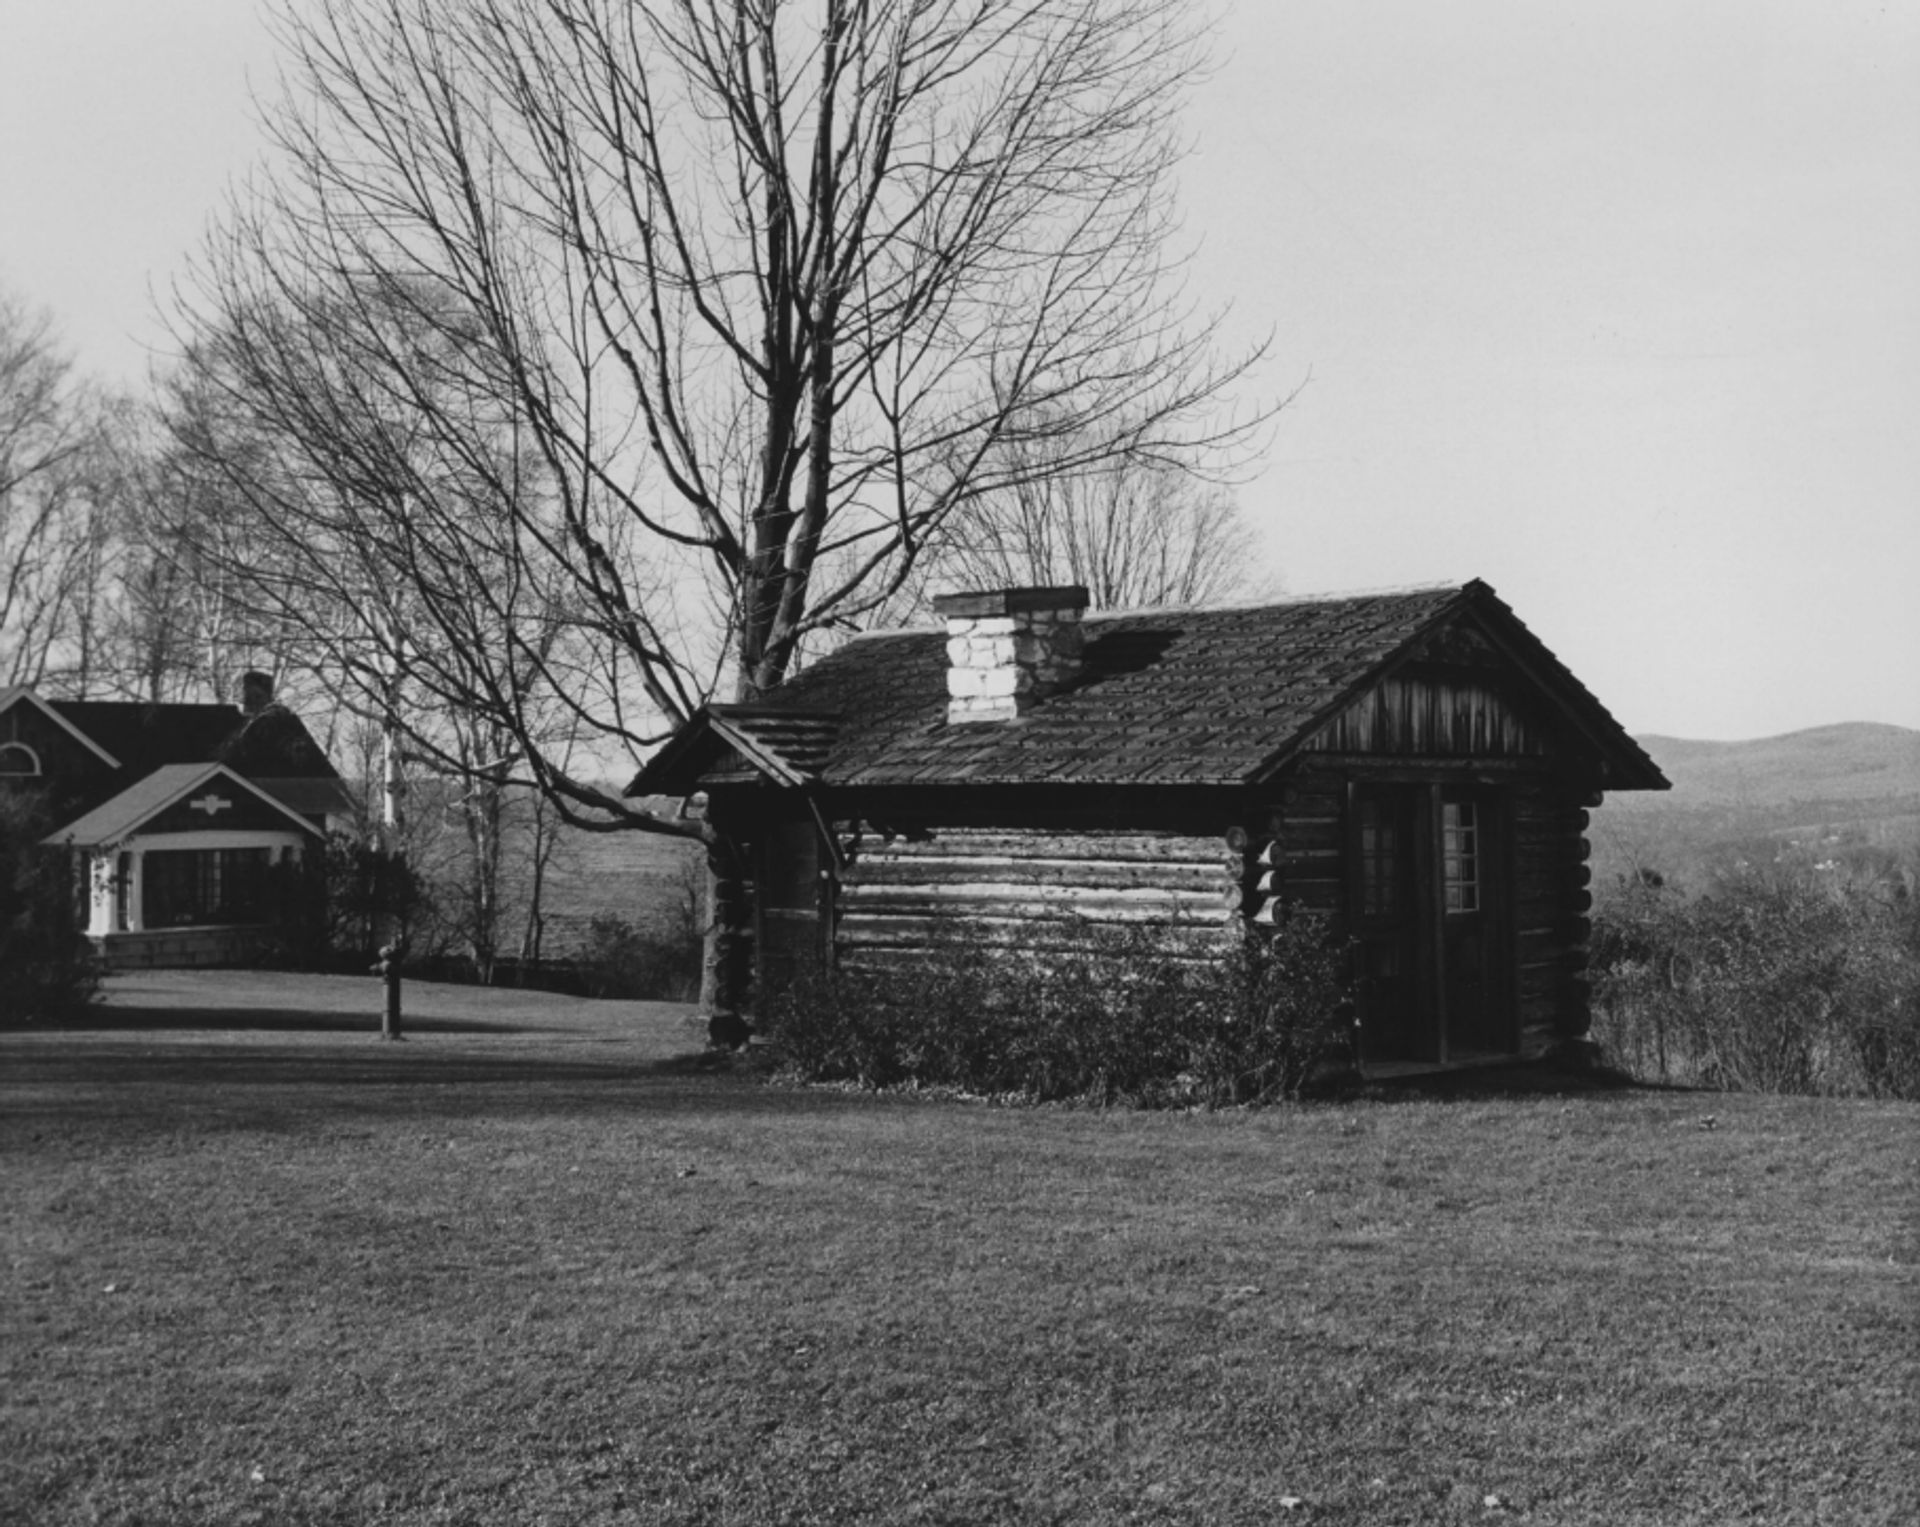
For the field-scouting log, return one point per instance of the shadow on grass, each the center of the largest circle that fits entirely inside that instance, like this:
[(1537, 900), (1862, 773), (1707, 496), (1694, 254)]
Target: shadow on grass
[(1510, 1079), (49, 1084), (122, 1017)]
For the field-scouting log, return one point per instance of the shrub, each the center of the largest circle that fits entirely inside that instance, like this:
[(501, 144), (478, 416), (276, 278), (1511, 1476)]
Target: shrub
[(1106, 1016), (1778, 978), (47, 968), (623, 960), (371, 895)]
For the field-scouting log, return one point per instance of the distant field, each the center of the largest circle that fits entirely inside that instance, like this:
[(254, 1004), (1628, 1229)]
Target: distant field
[(543, 1263), (1856, 784)]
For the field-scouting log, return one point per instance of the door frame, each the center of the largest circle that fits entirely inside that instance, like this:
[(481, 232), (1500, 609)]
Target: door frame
[(1425, 936)]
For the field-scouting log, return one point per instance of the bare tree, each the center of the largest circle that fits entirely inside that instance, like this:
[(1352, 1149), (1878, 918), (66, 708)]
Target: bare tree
[(55, 533), (1136, 534), (773, 290), (765, 292)]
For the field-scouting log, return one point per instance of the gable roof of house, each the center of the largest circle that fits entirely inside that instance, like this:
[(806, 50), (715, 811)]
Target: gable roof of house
[(270, 743), (21, 694), (1189, 697), (115, 819)]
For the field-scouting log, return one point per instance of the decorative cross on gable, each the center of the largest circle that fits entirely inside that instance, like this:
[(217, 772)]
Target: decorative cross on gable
[(210, 803)]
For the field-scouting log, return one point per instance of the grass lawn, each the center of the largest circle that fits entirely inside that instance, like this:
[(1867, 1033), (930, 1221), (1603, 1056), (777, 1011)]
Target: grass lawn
[(540, 1264)]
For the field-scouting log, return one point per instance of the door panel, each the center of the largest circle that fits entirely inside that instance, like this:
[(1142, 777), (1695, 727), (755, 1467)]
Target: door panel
[(791, 935), (1472, 897), (1386, 924)]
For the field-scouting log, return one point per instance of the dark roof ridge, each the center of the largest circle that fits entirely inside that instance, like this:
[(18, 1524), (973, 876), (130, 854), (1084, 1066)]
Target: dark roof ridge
[(1224, 606), (1289, 601)]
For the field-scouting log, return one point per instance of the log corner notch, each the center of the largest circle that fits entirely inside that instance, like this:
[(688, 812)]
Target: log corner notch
[(1254, 859), (726, 964)]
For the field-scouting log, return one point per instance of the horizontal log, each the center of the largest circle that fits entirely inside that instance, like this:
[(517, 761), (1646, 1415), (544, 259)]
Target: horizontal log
[(1542, 981), (881, 962), (973, 843), (975, 893), (1315, 866), (1538, 1034), (1028, 901), (1092, 873), (937, 933), (1315, 834), (1324, 794), (1532, 880), (1539, 1011)]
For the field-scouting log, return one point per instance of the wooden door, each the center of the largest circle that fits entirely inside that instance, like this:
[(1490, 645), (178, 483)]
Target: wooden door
[(1429, 901), (790, 935), (1384, 896), (1466, 894)]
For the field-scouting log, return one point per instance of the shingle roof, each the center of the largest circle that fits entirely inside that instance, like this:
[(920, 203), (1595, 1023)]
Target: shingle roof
[(269, 743), (1165, 697), (113, 820), (790, 745)]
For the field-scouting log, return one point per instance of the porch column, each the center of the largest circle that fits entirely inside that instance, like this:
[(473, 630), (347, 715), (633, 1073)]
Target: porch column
[(100, 897), (136, 883)]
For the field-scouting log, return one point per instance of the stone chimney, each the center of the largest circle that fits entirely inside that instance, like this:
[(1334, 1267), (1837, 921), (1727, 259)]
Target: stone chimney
[(256, 692), (1009, 649)]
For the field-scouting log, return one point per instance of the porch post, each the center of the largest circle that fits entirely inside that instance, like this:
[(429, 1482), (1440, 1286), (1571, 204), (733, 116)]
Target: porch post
[(136, 888), (100, 898)]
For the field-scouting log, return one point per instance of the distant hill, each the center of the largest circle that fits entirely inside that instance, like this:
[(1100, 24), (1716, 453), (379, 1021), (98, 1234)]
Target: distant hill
[(1856, 760), (1857, 783)]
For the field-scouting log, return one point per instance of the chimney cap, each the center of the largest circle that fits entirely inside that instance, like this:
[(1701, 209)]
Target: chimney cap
[(1021, 601)]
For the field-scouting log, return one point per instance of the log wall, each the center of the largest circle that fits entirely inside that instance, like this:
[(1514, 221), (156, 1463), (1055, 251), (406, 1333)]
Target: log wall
[(1310, 824), (1026, 888), (1551, 927)]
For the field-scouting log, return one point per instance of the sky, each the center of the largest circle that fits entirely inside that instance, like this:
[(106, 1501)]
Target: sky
[(1612, 304)]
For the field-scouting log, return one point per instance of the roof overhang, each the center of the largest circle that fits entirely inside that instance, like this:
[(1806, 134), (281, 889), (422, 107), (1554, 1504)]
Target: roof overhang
[(783, 746), (19, 694), (122, 816)]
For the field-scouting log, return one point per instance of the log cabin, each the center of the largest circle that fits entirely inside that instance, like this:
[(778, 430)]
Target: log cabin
[(1415, 765)]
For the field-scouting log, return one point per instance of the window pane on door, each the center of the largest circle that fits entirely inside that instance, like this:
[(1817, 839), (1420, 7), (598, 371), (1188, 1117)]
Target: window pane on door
[(1460, 855), (1379, 860)]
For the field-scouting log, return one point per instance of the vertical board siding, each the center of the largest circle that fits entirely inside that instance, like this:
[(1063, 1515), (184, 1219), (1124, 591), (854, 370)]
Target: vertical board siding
[(1025, 888), (1437, 717)]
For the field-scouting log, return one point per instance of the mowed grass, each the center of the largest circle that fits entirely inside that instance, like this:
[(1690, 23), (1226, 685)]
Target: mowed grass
[(540, 1264)]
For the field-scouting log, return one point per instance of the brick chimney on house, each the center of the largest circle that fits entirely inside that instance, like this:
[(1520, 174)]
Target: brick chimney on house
[(256, 692), (1008, 649)]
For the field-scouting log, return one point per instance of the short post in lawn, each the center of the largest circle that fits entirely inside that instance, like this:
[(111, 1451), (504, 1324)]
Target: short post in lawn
[(388, 969)]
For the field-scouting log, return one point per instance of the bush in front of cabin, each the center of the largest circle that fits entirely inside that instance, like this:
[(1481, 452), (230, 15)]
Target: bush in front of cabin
[(1150, 1016), (1783, 975), (50, 969)]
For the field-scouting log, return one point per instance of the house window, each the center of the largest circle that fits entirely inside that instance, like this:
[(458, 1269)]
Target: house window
[(17, 759), (1460, 854), (1379, 859), (189, 887)]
